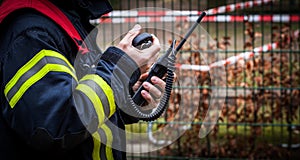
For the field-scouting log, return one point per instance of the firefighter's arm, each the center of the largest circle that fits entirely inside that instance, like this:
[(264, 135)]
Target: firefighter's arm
[(44, 101)]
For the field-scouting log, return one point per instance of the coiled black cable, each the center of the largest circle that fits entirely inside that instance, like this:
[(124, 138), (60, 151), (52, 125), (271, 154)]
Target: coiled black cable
[(136, 110)]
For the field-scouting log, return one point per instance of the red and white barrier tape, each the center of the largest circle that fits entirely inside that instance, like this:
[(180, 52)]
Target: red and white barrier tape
[(237, 6), (231, 60), (219, 18), (212, 11), (251, 18), (134, 16)]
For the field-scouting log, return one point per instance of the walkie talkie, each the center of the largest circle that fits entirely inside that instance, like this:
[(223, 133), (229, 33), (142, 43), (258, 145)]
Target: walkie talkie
[(159, 68)]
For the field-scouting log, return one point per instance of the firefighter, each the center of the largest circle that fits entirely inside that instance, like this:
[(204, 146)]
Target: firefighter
[(51, 109)]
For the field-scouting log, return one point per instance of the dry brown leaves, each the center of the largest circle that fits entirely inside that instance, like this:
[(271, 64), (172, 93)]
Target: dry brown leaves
[(266, 91)]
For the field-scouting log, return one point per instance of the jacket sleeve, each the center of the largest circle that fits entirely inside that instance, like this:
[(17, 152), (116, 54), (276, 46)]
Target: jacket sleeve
[(123, 75), (44, 102)]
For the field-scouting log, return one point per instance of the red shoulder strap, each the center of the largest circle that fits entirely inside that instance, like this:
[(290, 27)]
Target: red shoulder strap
[(48, 9)]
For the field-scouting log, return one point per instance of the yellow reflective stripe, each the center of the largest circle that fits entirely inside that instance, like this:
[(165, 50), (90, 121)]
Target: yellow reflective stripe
[(92, 95), (31, 63), (106, 89), (40, 74), (110, 96), (97, 144), (109, 140)]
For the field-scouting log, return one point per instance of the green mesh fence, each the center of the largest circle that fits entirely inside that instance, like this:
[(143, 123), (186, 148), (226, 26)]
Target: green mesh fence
[(259, 118)]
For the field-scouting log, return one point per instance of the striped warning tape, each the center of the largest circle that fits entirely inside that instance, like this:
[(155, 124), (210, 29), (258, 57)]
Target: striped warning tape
[(238, 6), (134, 16), (218, 18), (231, 60), (212, 11)]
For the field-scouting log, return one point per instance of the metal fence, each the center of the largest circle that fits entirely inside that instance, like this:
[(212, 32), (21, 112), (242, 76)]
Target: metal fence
[(251, 56)]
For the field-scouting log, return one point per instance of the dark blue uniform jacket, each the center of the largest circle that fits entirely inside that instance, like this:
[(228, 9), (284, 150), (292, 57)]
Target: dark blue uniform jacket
[(50, 108)]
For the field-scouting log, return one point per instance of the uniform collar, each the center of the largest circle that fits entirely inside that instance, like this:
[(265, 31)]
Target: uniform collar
[(86, 9), (96, 8)]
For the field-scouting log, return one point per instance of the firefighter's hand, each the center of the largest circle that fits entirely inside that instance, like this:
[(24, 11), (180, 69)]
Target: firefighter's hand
[(153, 91), (144, 58)]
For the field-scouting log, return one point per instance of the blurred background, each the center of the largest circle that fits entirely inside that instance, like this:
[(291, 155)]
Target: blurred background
[(256, 43)]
